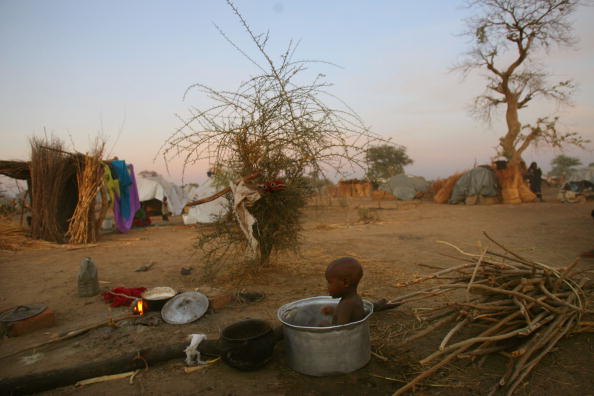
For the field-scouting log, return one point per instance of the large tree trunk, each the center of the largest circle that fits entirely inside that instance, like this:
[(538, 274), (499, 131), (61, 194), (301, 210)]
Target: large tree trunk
[(514, 188)]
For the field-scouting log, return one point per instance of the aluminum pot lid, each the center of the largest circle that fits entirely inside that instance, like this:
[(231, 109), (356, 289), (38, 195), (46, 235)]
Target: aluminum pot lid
[(22, 312), (184, 308)]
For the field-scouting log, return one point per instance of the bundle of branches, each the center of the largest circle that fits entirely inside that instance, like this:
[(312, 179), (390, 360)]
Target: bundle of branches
[(520, 307), (89, 176), (277, 125), (53, 189)]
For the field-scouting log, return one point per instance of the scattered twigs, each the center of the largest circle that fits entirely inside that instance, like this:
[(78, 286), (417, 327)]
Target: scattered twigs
[(432, 276), (451, 333), (71, 334), (106, 378), (478, 264), (514, 307), (429, 329)]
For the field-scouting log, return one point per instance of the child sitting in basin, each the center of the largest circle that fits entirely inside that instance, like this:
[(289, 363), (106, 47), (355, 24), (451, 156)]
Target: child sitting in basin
[(343, 276)]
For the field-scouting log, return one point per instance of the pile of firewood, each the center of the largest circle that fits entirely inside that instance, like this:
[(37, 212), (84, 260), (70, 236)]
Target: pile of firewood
[(506, 304)]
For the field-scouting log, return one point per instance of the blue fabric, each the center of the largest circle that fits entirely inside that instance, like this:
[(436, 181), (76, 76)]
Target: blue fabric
[(121, 170), (124, 224)]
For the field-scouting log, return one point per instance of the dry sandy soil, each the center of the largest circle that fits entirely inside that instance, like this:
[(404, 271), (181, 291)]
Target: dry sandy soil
[(396, 248)]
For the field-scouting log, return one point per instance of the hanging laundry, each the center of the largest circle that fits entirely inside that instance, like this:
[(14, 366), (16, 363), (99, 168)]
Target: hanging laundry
[(128, 199)]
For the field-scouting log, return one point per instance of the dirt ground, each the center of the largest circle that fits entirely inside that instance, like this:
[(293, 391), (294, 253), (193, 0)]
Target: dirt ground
[(395, 248)]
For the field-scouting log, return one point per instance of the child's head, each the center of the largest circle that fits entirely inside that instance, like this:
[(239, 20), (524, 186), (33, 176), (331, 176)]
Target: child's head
[(343, 276)]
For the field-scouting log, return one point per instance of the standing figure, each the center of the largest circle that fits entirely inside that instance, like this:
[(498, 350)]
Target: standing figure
[(165, 209), (534, 177)]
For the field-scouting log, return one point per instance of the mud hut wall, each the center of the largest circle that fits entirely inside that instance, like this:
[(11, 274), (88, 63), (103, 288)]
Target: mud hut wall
[(354, 188)]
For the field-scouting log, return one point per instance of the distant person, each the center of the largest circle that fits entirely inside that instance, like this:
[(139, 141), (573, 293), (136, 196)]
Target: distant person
[(165, 213), (343, 276), (534, 175)]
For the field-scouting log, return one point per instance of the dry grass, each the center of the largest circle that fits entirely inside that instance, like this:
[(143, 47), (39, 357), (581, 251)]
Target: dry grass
[(442, 188), (13, 237), (82, 227)]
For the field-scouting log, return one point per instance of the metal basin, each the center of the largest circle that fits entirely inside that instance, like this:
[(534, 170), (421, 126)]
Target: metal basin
[(329, 350)]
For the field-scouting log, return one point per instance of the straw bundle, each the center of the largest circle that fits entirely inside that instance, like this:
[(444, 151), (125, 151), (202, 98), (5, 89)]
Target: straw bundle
[(89, 176), (511, 196), (445, 187), (52, 184)]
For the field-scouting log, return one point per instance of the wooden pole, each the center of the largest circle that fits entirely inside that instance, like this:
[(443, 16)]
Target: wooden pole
[(39, 382)]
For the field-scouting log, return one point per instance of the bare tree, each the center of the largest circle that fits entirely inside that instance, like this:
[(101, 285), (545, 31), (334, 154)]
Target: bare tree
[(508, 36), (276, 125)]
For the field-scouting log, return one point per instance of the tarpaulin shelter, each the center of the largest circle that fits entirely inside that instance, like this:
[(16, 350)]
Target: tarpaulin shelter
[(474, 184), (405, 187), (156, 187), (206, 212)]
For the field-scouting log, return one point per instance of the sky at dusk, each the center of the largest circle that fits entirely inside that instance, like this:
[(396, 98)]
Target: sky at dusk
[(119, 70)]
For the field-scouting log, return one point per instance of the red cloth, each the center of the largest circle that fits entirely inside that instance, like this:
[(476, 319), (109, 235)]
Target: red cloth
[(272, 186), (117, 301), (145, 222)]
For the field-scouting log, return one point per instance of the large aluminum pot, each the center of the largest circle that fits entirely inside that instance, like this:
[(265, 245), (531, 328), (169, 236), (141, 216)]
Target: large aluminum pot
[(329, 350)]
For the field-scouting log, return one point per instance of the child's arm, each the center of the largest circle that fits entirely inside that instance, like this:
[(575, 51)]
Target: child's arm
[(342, 314)]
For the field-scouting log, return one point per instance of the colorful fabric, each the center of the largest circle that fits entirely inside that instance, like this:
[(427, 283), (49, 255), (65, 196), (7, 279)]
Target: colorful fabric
[(112, 185), (121, 171), (118, 301), (123, 224)]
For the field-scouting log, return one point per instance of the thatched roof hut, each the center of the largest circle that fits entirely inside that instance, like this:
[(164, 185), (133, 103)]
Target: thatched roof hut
[(15, 169), (57, 181)]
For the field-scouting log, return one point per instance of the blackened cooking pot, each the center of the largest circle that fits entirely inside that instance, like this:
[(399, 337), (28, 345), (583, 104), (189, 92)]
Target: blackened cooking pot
[(248, 344)]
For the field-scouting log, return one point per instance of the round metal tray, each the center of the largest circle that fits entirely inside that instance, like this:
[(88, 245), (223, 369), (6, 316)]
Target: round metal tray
[(185, 308)]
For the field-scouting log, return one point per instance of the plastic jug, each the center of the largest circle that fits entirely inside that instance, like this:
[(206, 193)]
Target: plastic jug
[(88, 280)]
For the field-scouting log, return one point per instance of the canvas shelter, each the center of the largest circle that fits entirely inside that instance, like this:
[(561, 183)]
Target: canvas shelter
[(156, 187), (477, 182), (206, 212), (405, 187)]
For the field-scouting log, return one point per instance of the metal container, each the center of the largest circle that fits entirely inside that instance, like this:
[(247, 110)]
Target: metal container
[(329, 350), (248, 344), (157, 297)]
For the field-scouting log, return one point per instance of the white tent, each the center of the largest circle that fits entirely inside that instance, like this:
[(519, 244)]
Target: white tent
[(155, 187), (207, 212)]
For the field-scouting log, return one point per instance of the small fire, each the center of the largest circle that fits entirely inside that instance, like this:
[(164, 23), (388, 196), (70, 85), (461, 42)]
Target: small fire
[(139, 307)]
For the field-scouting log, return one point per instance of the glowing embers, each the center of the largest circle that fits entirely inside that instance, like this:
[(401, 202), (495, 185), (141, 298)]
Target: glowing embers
[(139, 306)]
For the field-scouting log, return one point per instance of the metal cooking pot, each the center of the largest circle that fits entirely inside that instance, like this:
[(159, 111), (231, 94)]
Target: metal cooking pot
[(248, 344), (158, 296), (321, 351)]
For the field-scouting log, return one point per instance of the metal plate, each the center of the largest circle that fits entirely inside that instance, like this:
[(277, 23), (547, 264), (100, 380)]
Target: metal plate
[(22, 312), (158, 293), (185, 308)]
